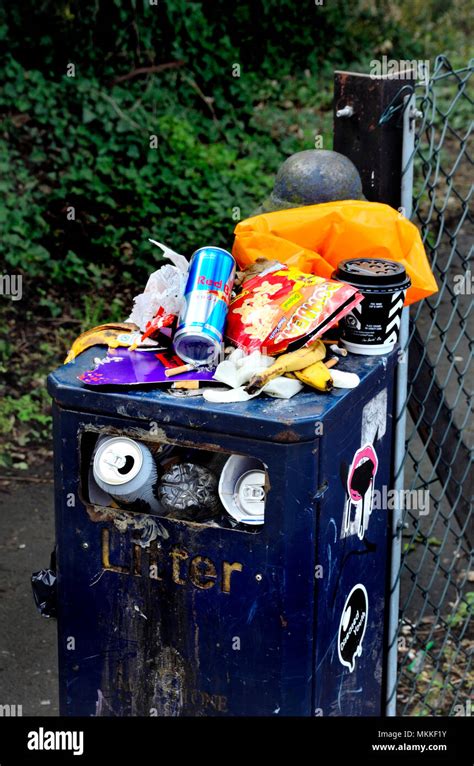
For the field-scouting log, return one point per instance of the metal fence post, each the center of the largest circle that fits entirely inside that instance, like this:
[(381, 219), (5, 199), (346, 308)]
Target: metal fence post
[(432, 570), (408, 148), (431, 597)]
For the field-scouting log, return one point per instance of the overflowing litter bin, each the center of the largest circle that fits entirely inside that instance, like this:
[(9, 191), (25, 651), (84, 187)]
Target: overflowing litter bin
[(262, 595)]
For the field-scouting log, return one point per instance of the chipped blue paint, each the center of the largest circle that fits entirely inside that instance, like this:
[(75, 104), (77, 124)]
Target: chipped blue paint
[(252, 611)]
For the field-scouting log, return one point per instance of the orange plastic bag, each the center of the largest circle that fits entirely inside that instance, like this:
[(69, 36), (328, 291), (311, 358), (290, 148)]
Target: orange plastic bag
[(315, 238)]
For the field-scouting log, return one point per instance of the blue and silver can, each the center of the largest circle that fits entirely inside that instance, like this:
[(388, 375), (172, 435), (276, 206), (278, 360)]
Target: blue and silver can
[(201, 322)]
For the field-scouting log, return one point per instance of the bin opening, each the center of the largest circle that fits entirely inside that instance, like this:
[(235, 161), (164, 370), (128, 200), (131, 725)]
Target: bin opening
[(175, 482)]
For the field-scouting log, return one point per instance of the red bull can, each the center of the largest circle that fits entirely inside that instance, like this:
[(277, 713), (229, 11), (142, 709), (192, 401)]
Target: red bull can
[(201, 322)]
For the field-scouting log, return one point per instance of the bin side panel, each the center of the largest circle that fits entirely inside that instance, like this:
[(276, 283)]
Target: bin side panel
[(353, 528)]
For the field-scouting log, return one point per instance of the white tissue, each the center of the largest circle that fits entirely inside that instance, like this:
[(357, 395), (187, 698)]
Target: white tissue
[(344, 379), (164, 289), (232, 395), (282, 388), (239, 368), (176, 259)]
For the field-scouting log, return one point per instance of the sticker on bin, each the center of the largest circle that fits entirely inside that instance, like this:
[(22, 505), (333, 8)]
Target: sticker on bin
[(352, 626), (242, 489)]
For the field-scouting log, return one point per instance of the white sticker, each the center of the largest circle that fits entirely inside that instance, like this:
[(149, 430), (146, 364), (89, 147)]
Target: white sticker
[(360, 487), (374, 418)]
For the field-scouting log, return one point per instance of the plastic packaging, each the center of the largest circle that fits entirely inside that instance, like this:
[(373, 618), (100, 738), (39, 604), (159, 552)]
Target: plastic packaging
[(317, 237), (189, 491), (282, 309), (122, 367), (44, 585), (164, 289)]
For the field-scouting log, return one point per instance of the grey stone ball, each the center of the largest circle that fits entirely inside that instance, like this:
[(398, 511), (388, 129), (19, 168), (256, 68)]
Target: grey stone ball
[(312, 177)]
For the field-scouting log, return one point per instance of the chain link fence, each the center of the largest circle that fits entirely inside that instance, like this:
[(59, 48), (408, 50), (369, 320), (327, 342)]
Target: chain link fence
[(435, 637)]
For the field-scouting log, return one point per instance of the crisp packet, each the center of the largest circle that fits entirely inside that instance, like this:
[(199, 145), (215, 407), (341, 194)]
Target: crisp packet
[(282, 308)]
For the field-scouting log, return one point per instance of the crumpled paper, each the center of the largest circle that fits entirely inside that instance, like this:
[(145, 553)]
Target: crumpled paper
[(165, 288), (238, 369)]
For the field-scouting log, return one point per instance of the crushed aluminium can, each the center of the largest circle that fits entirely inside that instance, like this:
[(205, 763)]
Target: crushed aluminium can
[(201, 323), (189, 491)]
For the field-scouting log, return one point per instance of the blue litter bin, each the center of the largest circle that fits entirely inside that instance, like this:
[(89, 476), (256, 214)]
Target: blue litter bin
[(173, 617)]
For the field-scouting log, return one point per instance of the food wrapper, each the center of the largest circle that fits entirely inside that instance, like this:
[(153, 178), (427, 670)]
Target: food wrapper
[(283, 308), (160, 320), (316, 238), (122, 367)]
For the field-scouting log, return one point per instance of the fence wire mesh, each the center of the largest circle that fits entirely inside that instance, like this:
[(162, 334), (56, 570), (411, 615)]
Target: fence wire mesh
[(435, 638)]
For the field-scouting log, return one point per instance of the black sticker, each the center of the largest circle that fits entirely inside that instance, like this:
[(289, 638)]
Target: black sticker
[(352, 626)]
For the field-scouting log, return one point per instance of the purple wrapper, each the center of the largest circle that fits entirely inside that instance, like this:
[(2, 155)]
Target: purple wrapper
[(134, 368)]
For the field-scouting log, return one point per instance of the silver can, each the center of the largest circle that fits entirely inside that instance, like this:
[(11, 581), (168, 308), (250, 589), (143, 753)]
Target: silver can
[(127, 471)]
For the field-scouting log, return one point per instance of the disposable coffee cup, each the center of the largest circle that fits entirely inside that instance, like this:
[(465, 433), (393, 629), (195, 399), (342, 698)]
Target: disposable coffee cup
[(372, 327)]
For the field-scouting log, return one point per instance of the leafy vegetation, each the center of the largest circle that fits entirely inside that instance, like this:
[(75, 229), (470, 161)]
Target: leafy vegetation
[(100, 148)]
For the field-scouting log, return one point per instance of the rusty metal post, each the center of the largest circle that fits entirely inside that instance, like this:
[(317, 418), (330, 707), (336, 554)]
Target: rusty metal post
[(375, 149)]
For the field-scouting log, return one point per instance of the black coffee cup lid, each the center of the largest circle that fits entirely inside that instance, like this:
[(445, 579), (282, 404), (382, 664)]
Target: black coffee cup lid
[(372, 273)]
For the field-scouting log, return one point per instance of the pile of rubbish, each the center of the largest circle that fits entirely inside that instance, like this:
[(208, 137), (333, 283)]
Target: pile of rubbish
[(274, 320), (303, 289), (181, 483)]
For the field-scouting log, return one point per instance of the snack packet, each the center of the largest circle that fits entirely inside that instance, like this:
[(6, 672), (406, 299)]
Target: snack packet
[(282, 308), (160, 320)]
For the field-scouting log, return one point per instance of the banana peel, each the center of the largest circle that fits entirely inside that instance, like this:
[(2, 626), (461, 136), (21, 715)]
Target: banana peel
[(291, 362), (104, 334), (317, 376)]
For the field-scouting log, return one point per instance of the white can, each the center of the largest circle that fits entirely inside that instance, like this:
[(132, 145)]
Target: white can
[(127, 471), (242, 489)]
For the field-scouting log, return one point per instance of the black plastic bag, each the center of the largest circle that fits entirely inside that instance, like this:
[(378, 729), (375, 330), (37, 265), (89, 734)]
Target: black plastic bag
[(44, 589)]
